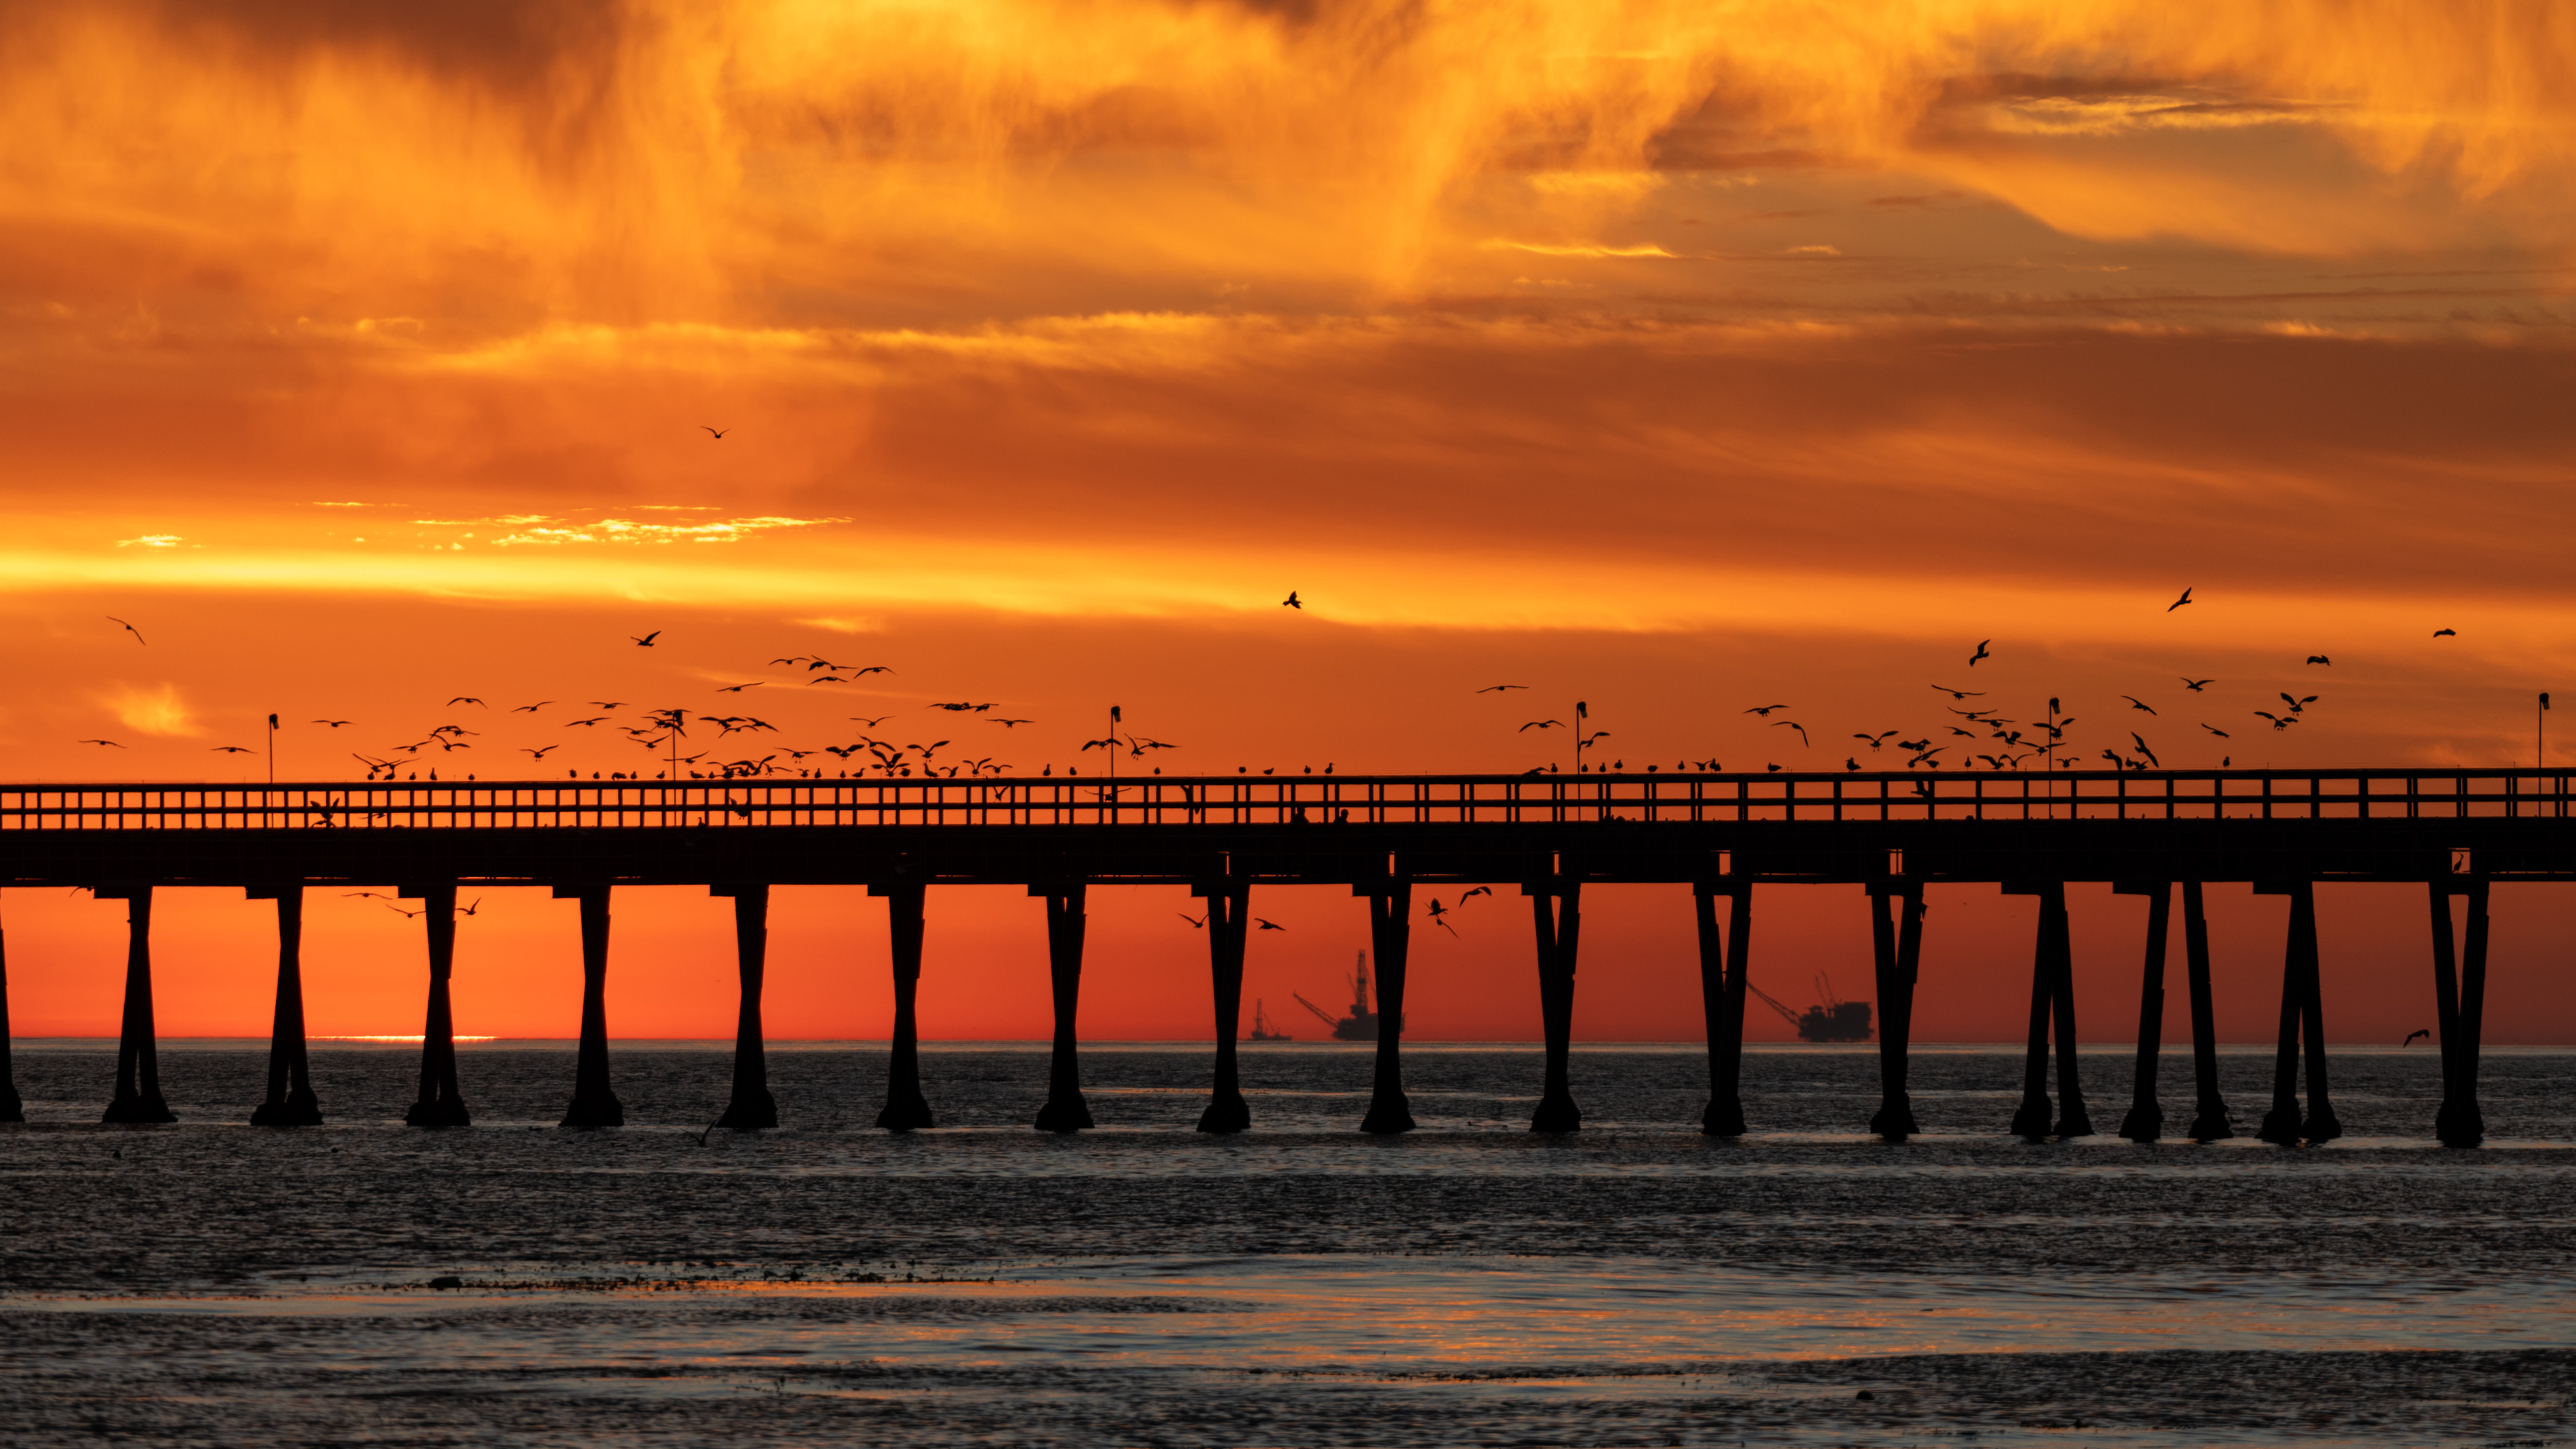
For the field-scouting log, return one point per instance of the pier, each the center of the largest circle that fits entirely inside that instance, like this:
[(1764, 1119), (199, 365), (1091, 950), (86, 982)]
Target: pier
[(2160, 834)]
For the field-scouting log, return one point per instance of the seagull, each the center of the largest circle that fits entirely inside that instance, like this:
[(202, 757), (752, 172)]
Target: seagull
[(333, 723), (608, 704), (1960, 693), (645, 641), (2410, 1036), (1465, 896), (2319, 659), (468, 699), (2298, 706), (739, 688), (228, 750), (2178, 603), (2194, 684), (2142, 749), (1875, 741), (130, 629), (1268, 925), (1290, 602), (1764, 710), (2439, 633), (1007, 723), (1539, 724), (1491, 688), (881, 719), (98, 742), (2278, 722), (601, 719), (538, 754), (1980, 654), (1790, 724), (1196, 921), (1439, 914), (719, 435), (2137, 703), (2213, 729), (530, 708)]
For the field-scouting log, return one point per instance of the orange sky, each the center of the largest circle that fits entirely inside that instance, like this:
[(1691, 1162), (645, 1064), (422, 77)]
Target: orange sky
[(1678, 358)]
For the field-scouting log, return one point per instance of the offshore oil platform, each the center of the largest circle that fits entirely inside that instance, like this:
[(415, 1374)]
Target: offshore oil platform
[(1361, 1024), (1832, 1019)]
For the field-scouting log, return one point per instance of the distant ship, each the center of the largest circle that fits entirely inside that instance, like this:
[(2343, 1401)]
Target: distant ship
[(1262, 1030), (1361, 1024), (1835, 1020)]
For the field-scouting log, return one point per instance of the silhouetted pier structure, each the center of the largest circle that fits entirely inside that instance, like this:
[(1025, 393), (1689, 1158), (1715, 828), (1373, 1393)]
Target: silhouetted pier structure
[(2453, 831)]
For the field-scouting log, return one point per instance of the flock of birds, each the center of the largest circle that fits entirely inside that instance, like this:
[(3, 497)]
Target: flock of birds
[(1997, 742)]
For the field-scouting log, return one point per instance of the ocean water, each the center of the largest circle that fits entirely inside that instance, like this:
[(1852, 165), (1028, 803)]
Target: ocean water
[(1470, 1283)]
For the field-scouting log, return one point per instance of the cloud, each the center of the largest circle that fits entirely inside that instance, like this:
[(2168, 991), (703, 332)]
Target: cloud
[(152, 710)]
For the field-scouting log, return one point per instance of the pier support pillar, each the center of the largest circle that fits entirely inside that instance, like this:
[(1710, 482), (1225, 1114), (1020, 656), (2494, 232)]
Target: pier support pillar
[(905, 1108), (1229, 903), (2459, 1002), (593, 1103), (1065, 1110), (1391, 937), (290, 1101), (1897, 949), (1556, 907), (2052, 1003), (2145, 1121), (12, 1109), (439, 1104), (1722, 961), (2302, 1023), (138, 1064), (750, 1107), (2209, 1109)]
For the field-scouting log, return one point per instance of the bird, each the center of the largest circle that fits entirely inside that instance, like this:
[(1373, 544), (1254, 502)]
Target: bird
[(538, 754), (98, 742), (645, 641), (1960, 693), (954, 708), (2278, 722), (2298, 706), (1268, 925), (596, 719), (469, 910), (2410, 1036), (1791, 724), (2142, 749), (1764, 710), (2439, 633), (1007, 723), (530, 708), (130, 629), (1980, 654), (1491, 688), (1539, 724), (2194, 684), (1875, 741), (1850, 764), (608, 704), (229, 750), (719, 434), (333, 723), (1197, 921), (2213, 729), (467, 699), (2137, 703), (2178, 603), (1465, 896), (739, 688), (1290, 602), (399, 911), (2319, 659)]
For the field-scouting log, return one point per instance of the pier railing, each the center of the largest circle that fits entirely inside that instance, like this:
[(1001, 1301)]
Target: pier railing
[(1320, 800)]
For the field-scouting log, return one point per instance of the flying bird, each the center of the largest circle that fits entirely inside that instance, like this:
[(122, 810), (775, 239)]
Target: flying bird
[(739, 688), (719, 435), (1539, 724), (2142, 749), (608, 704), (229, 750), (130, 629), (98, 742), (599, 719), (1268, 925), (1439, 916), (1960, 693), (1790, 724), (1290, 602), (645, 641), (538, 754), (2410, 1036), (467, 699), (1764, 710), (333, 723), (2298, 706), (2194, 684), (1197, 921), (2279, 722), (1007, 723), (881, 719), (530, 708), (2213, 729), (1875, 741), (2178, 603), (2439, 633), (1491, 688), (1980, 654), (2137, 703), (2319, 659)]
